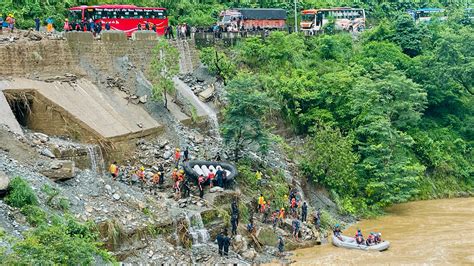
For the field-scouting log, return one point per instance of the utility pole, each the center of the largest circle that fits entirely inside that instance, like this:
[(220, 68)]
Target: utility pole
[(296, 18)]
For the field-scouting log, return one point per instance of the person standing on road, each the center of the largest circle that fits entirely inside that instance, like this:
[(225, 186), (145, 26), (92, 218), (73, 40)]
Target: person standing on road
[(1, 23), (37, 24), (49, 25)]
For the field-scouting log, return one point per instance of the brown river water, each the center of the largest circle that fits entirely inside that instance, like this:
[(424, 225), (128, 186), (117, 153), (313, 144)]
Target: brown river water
[(430, 232)]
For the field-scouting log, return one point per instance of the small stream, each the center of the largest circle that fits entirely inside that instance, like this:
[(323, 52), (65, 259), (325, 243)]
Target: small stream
[(423, 232), (96, 158)]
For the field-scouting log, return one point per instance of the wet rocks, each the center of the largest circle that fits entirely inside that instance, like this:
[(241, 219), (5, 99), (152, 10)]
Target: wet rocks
[(59, 170)]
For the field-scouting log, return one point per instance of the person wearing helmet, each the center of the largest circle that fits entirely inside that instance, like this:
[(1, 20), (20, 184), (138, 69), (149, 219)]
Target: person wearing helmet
[(378, 238), (261, 202), (141, 176), (281, 215), (181, 175), (370, 239), (66, 25), (114, 170), (337, 232), (359, 237)]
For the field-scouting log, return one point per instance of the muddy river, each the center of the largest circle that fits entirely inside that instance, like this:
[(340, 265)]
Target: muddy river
[(424, 232)]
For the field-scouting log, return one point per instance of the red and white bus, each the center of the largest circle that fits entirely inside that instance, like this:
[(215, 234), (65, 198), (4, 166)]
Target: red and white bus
[(345, 18), (122, 17)]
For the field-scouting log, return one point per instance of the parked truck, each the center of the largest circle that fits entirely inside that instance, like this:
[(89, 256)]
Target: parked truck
[(253, 19)]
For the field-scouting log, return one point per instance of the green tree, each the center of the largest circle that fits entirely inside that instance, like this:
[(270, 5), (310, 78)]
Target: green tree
[(218, 63), (384, 104), (243, 125), (408, 35), (163, 68), (329, 159)]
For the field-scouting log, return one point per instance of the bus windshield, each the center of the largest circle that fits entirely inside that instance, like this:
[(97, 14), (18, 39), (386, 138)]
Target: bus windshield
[(307, 17)]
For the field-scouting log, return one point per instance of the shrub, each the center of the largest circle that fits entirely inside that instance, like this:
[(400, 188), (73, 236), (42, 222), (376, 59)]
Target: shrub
[(63, 242), (34, 215), (20, 194)]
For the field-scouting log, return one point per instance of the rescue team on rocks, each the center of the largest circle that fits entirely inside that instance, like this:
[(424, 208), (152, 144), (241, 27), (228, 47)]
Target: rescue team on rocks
[(183, 184)]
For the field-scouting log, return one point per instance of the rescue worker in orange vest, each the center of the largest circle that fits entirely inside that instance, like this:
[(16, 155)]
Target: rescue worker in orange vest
[(114, 170), (281, 215), (210, 177), (181, 175), (141, 176), (155, 180), (261, 203)]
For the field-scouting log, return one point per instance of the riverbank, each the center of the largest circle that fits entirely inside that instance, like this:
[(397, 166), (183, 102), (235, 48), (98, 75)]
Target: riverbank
[(432, 231)]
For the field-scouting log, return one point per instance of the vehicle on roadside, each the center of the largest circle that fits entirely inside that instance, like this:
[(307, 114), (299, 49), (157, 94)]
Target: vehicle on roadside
[(345, 18), (253, 19), (426, 14), (122, 17)]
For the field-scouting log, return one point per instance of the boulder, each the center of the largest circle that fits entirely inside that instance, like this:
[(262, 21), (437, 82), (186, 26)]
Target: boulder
[(59, 170), (167, 154), (207, 94), (143, 99), (250, 254), (239, 244), (4, 182)]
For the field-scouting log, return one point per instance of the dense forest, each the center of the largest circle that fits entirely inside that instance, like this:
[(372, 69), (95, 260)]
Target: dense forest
[(388, 115)]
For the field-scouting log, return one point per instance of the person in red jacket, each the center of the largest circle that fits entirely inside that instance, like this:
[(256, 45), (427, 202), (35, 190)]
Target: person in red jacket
[(210, 177)]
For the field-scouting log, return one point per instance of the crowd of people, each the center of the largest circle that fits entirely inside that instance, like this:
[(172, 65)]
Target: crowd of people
[(372, 239), (8, 23), (182, 184)]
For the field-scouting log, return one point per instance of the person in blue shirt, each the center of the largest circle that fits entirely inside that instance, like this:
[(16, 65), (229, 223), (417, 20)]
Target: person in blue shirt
[(37, 24)]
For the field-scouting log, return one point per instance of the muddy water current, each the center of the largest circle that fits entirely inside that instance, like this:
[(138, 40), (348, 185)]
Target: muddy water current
[(437, 232)]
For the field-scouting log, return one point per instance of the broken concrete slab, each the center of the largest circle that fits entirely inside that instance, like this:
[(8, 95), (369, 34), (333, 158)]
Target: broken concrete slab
[(207, 94)]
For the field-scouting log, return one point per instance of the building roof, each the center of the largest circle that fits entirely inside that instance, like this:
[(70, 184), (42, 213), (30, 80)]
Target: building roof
[(262, 13)]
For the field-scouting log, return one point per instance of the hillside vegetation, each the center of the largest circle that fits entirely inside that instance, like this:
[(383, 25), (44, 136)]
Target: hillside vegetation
[(388, 116)]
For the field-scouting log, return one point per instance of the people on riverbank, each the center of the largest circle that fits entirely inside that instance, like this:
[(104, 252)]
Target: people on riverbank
[(281, 246)]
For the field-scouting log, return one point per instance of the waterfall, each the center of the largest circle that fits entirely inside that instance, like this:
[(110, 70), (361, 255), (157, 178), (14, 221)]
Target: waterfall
[(96, 159), (197, 231), (189, 58)]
